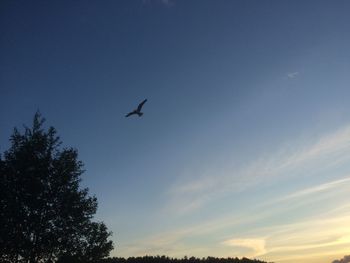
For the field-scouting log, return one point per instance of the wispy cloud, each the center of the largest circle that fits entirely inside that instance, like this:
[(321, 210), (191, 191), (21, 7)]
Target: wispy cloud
[(316, 189), (328, 151), (292, 75), (167, 3), (310, 237), (255, 244)]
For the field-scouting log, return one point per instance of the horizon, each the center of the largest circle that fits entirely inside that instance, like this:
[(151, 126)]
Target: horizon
[(243, 149)]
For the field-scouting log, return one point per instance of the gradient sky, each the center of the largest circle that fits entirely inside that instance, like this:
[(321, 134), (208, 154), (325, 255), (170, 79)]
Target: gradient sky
[(244, 148)]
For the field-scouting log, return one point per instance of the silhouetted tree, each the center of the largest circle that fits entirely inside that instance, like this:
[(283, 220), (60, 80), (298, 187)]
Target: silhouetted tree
[(44, 214), (185, 259)]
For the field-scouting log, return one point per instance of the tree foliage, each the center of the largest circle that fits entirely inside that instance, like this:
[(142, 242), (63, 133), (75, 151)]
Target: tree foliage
[(44, 214), (165, 259)]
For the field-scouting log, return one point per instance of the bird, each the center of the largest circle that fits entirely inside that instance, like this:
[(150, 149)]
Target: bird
[(138, 110)]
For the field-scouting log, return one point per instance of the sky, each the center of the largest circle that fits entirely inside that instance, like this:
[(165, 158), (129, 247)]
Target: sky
[(244, 145)]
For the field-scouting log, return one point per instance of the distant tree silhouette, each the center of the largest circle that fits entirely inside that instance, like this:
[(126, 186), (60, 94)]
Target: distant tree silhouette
[(345, 259), (44, 215), (164, 259)]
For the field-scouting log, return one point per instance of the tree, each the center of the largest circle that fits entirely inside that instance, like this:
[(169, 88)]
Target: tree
[(44, 214), (185, 259)]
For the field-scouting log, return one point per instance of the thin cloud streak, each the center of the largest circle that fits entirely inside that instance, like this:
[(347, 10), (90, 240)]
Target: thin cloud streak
[(329, 150), (255, 244), (325, 230), (330, 230), (315, 189), (293, 75), (308, 238), (167, 3), (197, 193)]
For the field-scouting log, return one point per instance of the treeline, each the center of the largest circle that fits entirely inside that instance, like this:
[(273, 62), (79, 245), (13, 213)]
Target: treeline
[(165, 259)]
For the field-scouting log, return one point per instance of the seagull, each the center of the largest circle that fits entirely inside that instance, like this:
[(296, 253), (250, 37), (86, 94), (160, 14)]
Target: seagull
[(138, 110)]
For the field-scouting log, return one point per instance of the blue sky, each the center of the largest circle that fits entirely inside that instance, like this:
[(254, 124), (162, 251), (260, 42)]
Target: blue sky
[(244, 147)]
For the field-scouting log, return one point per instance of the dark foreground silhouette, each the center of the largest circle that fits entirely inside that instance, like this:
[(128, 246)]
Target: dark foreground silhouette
[(345, 259), (165, 259), (45, 215)]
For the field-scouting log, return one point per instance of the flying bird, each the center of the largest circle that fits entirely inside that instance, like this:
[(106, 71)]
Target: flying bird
[(138, 110)]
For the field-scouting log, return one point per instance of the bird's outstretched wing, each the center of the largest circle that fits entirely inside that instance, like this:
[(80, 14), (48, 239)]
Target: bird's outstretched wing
[(130, 113), (140, 105)]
